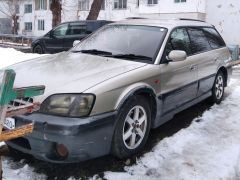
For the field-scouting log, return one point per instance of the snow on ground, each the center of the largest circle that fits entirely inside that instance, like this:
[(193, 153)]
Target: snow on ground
[(9, 56), (208, 149)]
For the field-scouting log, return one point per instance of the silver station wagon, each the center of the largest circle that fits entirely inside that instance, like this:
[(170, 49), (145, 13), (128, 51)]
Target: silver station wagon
[(105, 94)]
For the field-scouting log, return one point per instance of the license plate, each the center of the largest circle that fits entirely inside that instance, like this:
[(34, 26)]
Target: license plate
[(9, 123)]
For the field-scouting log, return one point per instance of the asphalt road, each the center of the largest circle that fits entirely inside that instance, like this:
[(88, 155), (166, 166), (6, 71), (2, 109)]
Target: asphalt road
[(109, 163)]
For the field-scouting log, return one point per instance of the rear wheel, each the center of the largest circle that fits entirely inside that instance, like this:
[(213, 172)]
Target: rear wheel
[(38, 49), (132, 129), (218, 88)]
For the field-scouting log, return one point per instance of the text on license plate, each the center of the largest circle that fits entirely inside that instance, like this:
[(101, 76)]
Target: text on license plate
[(9, 123)]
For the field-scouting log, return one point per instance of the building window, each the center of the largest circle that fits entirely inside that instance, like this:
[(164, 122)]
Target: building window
[(17, 9), (152, 2), (83, 5), (28, 8), (18, 26), (28, 26), (103, 5), (180, 1), (41, 25), (40, 5), (120, 4)]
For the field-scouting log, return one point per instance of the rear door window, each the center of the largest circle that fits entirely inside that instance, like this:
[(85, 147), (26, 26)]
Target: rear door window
[(199, 41), (179, 40), (215, 40), (77, 29)]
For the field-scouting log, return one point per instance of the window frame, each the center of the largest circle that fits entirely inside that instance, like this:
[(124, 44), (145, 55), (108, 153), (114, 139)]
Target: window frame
[(103, 6), (82, 2), (219, 36), (201, 29), (28, 30), (118, 5), (152, 2), (42, 4), (25, 8), (180, 1), (41, 26), (162, 59), (76, 24)]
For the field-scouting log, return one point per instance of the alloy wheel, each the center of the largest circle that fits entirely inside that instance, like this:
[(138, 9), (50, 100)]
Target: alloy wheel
[(219, 86), (135, 126)]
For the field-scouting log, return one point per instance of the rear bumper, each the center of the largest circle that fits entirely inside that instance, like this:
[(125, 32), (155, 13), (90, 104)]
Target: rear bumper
[(84, 138)]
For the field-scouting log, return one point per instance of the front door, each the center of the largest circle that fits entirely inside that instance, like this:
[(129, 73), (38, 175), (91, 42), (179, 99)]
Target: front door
[(55, 41), (178, 79)]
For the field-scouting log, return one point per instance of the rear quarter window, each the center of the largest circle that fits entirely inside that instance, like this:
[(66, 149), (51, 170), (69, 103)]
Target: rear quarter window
[(215, 40), (199, 41)]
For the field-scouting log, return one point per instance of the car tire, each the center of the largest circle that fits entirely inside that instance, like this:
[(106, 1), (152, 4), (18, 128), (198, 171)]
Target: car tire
[(38, 49), (132, 128), (218, 88)]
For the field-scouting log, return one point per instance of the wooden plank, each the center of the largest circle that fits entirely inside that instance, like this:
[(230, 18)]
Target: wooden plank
[(15, 133)]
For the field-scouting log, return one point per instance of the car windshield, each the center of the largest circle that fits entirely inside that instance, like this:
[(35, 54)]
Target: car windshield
[(131, 42)]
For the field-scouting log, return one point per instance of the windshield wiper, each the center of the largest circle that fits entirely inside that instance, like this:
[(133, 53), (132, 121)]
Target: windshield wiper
[(94, 51), (131, 56)]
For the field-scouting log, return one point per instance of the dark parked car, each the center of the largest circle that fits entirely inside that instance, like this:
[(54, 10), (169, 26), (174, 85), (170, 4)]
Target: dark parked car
[(61, 38)]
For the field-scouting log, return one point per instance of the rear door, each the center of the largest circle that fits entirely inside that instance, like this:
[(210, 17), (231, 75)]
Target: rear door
[(204, 46), (178, 79)]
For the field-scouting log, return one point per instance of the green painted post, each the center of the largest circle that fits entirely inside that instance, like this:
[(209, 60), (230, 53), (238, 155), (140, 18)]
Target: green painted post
[(8, 93)]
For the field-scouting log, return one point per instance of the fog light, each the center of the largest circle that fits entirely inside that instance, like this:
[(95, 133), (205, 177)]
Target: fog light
[(61, 150)]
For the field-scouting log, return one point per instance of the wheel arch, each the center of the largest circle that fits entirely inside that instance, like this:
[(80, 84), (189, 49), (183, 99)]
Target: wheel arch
[(225, 74), (141, 90)]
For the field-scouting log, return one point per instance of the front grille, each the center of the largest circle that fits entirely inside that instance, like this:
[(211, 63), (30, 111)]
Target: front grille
[(22, 142)]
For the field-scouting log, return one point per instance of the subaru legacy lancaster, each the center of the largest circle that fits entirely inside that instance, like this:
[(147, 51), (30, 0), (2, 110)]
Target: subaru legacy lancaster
[(105, 94)]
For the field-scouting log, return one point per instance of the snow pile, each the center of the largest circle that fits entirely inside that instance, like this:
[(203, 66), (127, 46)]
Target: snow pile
[(10, 56), (19, 170), (208, 149)]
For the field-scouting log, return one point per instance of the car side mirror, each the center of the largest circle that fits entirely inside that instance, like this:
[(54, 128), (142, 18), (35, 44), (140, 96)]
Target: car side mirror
[(177, 55), (76, 42)]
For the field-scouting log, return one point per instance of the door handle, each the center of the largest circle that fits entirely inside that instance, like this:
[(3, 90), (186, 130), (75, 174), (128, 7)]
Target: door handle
[(193, 68)]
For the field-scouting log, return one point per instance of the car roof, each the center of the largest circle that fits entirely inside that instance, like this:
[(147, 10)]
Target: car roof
[(83, 21), (166, 23)]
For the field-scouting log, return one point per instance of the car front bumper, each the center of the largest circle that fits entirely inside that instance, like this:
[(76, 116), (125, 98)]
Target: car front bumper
[(84, 138)]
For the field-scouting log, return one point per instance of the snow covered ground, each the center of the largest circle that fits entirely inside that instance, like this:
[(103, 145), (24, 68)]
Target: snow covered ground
[(208, 149), (9, 56)]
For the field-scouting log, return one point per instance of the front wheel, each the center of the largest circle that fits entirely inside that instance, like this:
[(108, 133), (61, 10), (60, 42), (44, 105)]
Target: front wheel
[(38, 49), (218, 88), (132, 128)]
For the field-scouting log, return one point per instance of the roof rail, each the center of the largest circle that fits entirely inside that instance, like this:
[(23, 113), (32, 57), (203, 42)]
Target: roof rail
[(136, 18), (191, 19)]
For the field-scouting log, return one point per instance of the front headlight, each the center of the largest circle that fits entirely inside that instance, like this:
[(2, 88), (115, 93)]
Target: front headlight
[(72, 105)]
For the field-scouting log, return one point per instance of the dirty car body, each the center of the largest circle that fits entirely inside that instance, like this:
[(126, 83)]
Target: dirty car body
[(95, 91)]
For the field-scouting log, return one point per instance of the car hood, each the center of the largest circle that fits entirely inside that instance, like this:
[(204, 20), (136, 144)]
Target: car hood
[(69, 72)]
